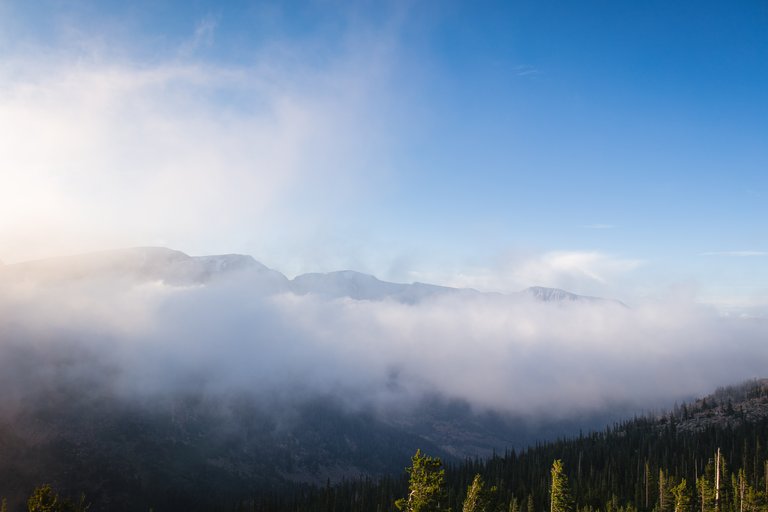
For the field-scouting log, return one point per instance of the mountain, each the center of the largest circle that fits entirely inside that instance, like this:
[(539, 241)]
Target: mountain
[(173, 460), (358, 286), (557, 295), (141, 264), (176, 268), (647, 463), (72, 415)]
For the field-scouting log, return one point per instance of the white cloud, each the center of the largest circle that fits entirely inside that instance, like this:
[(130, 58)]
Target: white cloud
[(735, 253), (564, 266), (524, 70), (202, 38), (591, 272), (511, 354), (98, 152)]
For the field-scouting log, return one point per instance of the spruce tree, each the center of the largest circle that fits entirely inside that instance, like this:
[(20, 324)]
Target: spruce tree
[(477, 499), (666, 500), (44, 499), (426, 487), (560, 496), (682, 497)]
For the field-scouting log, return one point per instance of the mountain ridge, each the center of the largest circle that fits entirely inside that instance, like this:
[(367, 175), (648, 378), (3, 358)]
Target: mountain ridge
[(177, 268)]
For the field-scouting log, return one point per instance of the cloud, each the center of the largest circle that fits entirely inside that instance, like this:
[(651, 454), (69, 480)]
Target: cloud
[(558, 266), (586, 272), (739, 254), (202, 38), (509, 354), (598, 226), (98, 150), (524, 70)]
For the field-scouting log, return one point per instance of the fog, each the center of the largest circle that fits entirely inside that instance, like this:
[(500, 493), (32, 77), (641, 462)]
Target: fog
[(144, 337)]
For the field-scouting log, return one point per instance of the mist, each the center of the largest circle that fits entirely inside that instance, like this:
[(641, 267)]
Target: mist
[(146, 337)]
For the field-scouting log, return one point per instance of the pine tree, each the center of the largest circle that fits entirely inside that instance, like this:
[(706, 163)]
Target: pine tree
[(647, 483), (478, 499), (744, 496), (666, 503), (426, 488), (682, 497), (560, 496), (706, 494), (45, 499)]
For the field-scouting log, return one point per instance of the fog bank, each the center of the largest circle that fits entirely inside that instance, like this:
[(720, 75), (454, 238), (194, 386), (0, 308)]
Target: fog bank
[(234, 333)]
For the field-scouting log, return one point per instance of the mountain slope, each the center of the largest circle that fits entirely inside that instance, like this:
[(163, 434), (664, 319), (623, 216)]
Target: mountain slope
[(103, 393), (617, 467), (142, 264), (648, 464), (178, 269)]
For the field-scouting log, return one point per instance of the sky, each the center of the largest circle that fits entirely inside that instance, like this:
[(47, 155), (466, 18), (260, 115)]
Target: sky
[(609, 148)]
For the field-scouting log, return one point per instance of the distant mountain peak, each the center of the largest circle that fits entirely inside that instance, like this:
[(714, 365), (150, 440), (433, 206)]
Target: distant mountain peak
[(545, 294), (147, 264), (177, 268), (550, 294), (354, 275)]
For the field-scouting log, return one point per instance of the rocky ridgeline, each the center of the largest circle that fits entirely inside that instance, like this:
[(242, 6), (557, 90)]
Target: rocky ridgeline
[(727, 407)]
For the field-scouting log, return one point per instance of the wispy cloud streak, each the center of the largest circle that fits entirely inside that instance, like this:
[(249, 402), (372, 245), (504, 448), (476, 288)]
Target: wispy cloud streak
[(739, 254)]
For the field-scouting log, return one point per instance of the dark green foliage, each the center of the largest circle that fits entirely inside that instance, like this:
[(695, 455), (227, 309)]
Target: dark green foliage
[(667, 463), (426, 486), (481, 498), (643, 465), (682, 497), (559, 494), (666, 501), (45, 499)]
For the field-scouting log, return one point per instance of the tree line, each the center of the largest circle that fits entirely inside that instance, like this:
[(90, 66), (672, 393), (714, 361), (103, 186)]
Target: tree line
[(709, 456)]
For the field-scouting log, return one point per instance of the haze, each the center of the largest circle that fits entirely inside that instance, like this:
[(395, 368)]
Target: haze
[(616, 151)]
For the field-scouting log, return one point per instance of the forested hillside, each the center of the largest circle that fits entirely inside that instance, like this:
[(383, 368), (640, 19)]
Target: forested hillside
[(707, 456)]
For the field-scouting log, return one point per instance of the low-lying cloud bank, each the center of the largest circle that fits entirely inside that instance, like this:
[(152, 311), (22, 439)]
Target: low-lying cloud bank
[(508, 353)]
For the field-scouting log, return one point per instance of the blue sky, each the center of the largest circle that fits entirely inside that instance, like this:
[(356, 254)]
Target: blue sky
[(613, 148)]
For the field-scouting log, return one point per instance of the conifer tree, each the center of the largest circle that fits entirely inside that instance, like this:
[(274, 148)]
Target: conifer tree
[(478, 499), (706, 494), (742, 492), (426, 487), (43, 499), (666, 500), (560, 496), (682, 497)]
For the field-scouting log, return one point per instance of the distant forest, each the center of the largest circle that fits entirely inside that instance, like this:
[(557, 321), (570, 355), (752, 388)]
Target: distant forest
[(708, 456), (668, 463)]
